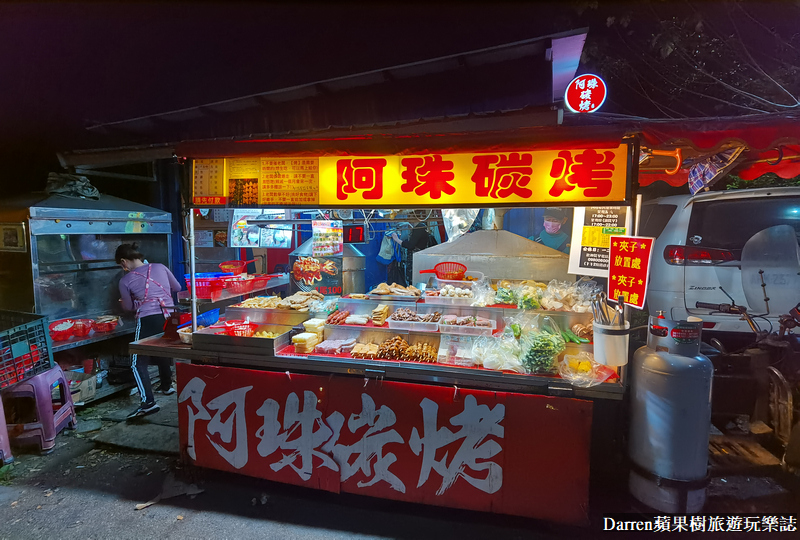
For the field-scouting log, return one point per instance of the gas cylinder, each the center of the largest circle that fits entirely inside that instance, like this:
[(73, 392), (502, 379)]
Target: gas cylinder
[(670, 417)]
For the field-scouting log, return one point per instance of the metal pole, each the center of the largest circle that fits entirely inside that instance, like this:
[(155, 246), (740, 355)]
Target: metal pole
[(638, 214), (191, 269)]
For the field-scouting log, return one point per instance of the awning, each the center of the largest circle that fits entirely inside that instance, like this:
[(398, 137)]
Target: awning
[(771, 141)]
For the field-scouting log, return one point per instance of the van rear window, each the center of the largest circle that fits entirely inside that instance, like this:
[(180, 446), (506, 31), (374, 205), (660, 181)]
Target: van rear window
[(654, 218), (729, 224)]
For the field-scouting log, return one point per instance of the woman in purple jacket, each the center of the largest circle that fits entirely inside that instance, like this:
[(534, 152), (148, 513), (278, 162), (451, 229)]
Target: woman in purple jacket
[(147, 289)]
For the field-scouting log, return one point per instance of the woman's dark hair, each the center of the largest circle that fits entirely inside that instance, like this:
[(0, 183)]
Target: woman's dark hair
[(129, 252)]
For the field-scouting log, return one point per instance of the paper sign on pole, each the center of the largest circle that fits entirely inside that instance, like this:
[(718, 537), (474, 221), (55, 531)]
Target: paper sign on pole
[(592, 228), (629, 269)]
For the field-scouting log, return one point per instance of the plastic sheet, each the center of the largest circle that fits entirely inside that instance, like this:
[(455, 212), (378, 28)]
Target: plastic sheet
[(457, 221), (581, 370)]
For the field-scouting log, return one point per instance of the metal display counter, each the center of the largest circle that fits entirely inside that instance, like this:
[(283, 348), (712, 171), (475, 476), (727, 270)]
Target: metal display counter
[(464, 377)]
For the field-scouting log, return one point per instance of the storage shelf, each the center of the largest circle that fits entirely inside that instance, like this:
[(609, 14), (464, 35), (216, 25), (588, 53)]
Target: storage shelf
[(93, 337)]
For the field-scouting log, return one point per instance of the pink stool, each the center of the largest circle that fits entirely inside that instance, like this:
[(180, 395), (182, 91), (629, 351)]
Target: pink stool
[(5, 447), (50, 418)]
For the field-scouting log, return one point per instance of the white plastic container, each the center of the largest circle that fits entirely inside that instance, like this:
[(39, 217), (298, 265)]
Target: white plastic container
[(413, 326), (463, 330), (448, 301), (611, 349)]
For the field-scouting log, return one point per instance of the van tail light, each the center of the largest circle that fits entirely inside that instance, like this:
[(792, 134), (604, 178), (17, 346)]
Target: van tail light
[(709, 325), (696, 256)]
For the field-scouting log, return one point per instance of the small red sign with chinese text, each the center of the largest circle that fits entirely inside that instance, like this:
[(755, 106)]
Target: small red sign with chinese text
[(585, 94), (629, 269)]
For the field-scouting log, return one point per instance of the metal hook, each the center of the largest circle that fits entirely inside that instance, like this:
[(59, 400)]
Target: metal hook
[(366, 380), (455, 392), (289, 375)]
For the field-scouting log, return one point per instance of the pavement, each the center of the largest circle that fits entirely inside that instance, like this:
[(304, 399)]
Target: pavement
[(115, 479)]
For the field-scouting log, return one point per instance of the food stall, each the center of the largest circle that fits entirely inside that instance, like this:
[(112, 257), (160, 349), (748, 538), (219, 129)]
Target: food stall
[(449, 395)]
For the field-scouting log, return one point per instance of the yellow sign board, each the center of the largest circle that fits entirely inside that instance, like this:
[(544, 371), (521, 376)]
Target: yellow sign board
[(542, 177)]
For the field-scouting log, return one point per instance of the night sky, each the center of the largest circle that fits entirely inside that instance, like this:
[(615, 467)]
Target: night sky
[(64, 66)]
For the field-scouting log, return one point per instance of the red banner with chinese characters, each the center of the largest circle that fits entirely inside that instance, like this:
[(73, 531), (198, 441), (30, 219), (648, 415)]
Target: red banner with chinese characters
[(488, 451), (477, 180), (629, 269)]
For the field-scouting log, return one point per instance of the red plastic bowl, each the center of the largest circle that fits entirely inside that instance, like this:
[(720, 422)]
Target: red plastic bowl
[(62, 335), (82, 327), (105, 326)]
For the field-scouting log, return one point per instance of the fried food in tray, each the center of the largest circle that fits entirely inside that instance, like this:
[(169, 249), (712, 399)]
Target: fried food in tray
[(421, 352), (396, 290), (392, 349), (358, 296), (405, 314), (380, 314), (260, 302), (300, 301), (365, 351)]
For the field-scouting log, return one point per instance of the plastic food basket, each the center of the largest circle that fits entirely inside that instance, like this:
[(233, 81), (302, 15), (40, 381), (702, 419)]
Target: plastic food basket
[(235, 285), (105, 326), (205, 282), (64, 334), (447, 270), (82, 327), (234, 267), (240, 328), (462, 283), (260, 281), (25, 348)]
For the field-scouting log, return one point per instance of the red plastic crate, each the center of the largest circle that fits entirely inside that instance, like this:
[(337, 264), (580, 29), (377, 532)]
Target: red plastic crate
[(25, 347)]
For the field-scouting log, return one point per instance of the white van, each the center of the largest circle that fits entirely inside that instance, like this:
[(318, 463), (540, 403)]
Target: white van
[(697, 255)]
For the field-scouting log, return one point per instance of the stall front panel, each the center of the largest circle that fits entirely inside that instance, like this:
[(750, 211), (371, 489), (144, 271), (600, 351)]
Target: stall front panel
[(472, 449)]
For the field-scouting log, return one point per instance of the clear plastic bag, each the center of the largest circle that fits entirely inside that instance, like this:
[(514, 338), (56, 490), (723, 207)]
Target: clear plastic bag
[(483, 293), (507, 292), (565, 296), (541, 347), (457, 221), (498, 353), (582, 371), (529, 294)]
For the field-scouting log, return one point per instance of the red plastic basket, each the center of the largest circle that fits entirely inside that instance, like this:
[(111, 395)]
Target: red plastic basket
[(237, 286), (447, 270), (105, 326), (82, 327), (235, 267), (238, 328), (204, 286), (260, 281), (61, 335)]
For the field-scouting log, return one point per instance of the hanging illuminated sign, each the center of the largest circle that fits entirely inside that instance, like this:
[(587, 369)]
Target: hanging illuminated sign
[(572, 177), (585, 94)]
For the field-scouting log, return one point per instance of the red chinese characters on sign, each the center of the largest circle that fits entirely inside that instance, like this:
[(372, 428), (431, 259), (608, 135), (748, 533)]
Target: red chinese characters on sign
[(427, 175), (500, 176), (629, 269), (365, 175), (585, 94), (393, 440), (590, 170)]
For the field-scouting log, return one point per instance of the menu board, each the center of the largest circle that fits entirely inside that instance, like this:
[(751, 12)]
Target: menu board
[(327, 238), (243, 174), (289, 182), (208, 186), (592, 228)]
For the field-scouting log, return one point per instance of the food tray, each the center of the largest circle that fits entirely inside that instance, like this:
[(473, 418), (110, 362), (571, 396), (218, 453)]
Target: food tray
[(208, 339), (463, 330), (448, 301), (287, 317), (392, 297), (413, 326), (61, 335)]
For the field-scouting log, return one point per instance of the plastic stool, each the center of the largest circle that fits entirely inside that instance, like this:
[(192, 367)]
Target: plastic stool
[(49, 420), (5, 447)]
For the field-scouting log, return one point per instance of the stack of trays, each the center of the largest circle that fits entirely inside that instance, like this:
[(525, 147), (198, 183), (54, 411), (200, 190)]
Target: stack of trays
[(379, 314), (304, 343), (315, 326)]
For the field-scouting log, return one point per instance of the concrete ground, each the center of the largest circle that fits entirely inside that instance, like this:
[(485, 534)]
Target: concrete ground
[(90, 486)]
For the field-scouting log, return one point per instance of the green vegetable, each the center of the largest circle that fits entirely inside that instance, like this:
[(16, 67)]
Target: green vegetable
[(570, 336), (505, 296), (516, 329), (544, 348)]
